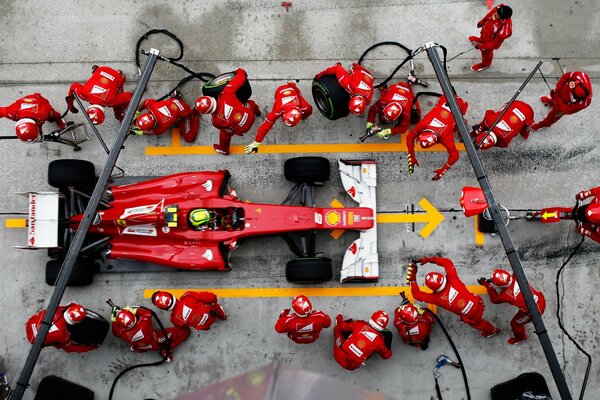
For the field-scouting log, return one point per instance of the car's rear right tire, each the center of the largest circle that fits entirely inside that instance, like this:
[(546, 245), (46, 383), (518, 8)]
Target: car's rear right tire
[(82, 274), (330, 97), (215, 86), (309, 270), (77, 173), (307, 169)]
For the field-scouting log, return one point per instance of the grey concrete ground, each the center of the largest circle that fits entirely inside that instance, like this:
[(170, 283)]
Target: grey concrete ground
[(47, 45)]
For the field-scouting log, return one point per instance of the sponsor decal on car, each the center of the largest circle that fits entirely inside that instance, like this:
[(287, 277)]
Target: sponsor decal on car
[(332, 218), (140, 230)]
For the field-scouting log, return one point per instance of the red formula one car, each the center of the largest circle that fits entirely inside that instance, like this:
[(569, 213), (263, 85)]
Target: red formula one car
[(150, 221)]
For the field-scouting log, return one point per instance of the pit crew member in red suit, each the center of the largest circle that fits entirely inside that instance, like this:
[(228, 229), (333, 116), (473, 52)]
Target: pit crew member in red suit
[(414, 325), (228, 113), (289, 105), (393, 107), (356, 341), (198, 310), (164, 114), (59, 335), (572, 94), (103, 89), (510, 293), (304, 324), (451, 294), (516, 121), (496, 27), (357, 81), (30, 113), (438, 126), (134, 326)]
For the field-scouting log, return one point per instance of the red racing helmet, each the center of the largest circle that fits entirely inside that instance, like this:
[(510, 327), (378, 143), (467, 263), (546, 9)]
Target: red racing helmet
[(74, 314), (435, 281), (358, 104), (206, 104), (427, 139), (28, 131), (501, 277), (379, 320), (163, 300), (489, 141), (292, 116), (145, 122), (96, 114), (301, 305), (409, 313), (392, 111), (126, 318), (592, 213)]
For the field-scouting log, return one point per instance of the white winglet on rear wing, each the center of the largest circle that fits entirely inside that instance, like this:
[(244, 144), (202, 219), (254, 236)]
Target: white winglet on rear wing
[(361, 261), (42, 229)]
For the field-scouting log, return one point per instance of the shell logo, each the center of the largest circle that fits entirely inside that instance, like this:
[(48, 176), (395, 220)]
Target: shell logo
[(513, 119), (103, 80), (361, 344), (444, 114), (287, 92), (174, 107), (237, 116), (332, 218)]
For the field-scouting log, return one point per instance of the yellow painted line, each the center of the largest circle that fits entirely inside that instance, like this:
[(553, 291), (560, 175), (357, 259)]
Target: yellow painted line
[(479, 236), (177, 149), (347, 291), (15, 223)]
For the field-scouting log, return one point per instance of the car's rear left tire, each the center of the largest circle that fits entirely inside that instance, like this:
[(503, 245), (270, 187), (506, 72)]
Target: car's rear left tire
[(65, 173), (82, 274), (215, 86), (309, 270), (307, 169), (330, 97)]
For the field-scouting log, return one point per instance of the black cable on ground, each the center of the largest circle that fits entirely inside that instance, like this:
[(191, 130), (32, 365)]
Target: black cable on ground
[(462, 366), (560, 323), (461, 53), (146, 35), (389, 78), (165, 345), (434, 94)]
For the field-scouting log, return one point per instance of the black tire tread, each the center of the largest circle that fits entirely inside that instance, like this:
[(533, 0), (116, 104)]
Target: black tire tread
[(309, 270)]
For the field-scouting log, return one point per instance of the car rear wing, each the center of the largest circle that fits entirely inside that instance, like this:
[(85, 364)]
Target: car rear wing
[(42, 227), (361, 261)]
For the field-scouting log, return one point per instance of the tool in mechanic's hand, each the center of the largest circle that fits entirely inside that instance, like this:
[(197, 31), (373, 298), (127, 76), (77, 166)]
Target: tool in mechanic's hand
[(372, 131)]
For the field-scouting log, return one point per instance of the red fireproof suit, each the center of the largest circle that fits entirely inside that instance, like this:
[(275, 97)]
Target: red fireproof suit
[(104, 88), (441, 122), (415, 333), (455, 297), (198, 310), (305, 329), (493, 33), (357, 80), (516, 121), (286, 96), (173, 111), (143, 337), (33, 106), (58, 335), (231, 116), (512, 295), (398, 93), (562, 100), (355, 342)]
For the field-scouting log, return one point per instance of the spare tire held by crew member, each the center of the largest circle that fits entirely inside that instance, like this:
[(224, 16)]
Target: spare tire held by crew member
[(214, 87), (338, 92)]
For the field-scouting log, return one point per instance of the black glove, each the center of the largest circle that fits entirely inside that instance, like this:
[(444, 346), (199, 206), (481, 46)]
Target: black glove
[(482, 281)]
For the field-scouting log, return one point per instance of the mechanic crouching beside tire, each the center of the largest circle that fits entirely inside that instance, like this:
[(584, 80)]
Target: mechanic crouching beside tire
[(338, 92)]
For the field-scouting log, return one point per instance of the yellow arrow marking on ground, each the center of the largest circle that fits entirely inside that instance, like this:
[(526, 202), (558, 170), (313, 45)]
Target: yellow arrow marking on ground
[(177, 149), (348, 291), (547, 215), (431, 217), (15, 223)]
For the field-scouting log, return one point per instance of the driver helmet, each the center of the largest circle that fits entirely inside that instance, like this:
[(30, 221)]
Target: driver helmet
[(199, 217)]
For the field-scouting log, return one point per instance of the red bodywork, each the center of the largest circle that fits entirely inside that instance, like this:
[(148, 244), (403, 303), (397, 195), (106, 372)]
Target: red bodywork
[(136, 222)]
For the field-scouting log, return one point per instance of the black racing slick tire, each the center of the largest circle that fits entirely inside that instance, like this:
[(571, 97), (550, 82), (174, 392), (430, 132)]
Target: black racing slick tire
[(331, 98), (82, 274), (214, 87), (307, 169), (309, 270), (65, 173), (91, 331)]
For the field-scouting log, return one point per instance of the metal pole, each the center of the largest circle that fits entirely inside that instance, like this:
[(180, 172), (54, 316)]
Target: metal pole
[(87, 117), (512, 255), (539, 64), (90, 211)]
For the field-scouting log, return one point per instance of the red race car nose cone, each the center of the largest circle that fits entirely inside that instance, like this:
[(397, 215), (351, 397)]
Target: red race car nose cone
[(472, 201)]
